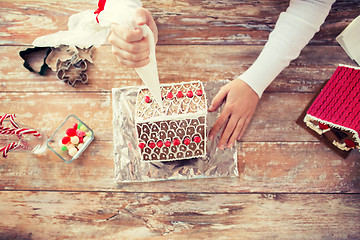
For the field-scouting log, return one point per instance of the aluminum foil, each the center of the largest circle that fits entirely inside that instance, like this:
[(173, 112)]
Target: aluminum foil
[(129, 167)]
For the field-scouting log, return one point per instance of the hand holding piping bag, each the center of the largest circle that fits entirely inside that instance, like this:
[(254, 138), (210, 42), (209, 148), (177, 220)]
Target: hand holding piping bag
[(134, 46)]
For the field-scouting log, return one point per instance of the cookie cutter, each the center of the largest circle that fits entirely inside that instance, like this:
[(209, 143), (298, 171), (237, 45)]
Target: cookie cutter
[(72, 71)]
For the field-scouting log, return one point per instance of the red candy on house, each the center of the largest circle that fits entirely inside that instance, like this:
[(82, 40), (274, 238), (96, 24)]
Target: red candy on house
[(349, 143), (323, 126), (169, 95), (141, 145), (187, 141), (159, 143), (167, 144), (190, 94), (197, 139), (179, 94), (176, 142), (147, 99), (199, 92), (152, 145)]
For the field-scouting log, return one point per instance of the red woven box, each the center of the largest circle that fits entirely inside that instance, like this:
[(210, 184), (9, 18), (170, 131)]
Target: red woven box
[(335, 113)]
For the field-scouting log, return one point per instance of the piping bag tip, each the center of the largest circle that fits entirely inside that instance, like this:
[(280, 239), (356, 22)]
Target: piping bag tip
[(149, 73)]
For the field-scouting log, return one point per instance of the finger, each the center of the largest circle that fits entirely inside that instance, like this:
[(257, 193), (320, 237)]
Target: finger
[(218, 123), (143, 16), (236, 132), (246, 124), (133, 57), (131, 64), (126, 34), (218, 99), (228, 131)]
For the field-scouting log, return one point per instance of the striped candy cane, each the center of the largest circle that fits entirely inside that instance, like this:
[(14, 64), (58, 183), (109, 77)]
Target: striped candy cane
[(9, 147), (15, 131), (12, 120)]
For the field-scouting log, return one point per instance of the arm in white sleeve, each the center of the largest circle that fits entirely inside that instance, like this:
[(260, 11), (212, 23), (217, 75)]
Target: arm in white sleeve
[(292, 32)]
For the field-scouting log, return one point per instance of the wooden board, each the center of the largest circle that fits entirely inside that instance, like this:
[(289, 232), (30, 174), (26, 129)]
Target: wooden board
[(113, 215)]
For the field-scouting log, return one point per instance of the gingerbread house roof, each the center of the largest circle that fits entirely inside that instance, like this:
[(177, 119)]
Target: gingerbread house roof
[(338, 104), (178, 99)]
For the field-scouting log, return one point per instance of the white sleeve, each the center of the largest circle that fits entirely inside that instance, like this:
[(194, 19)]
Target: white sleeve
[(293, 30)]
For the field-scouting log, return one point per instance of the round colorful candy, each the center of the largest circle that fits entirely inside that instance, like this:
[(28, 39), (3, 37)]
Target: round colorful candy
[(152, 145), (197, 139), (63, 148), (190, 94), (72, 151), (71, 132), (75, 140), (80, 133), (199, 92), (65, 140), (159, 144), (147, 99)]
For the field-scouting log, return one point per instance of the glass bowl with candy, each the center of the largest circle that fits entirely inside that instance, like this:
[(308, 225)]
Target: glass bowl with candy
[(70, 139)]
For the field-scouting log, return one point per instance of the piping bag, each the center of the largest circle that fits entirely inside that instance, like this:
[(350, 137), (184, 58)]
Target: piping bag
[(149, 73)]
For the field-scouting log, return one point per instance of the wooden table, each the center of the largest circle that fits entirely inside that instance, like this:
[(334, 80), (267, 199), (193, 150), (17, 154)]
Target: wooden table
[(291, 186)]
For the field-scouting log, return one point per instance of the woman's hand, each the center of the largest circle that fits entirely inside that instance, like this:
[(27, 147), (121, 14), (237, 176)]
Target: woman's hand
[(129, 46), (240, 103)]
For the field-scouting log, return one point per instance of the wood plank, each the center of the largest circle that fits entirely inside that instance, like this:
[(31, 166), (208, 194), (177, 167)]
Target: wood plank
[(109, 215), (204, 63), (186, 22), (263, 167)]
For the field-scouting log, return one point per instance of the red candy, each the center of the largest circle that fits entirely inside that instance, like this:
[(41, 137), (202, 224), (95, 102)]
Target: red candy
[(65, 140), (81, 139), (190, 94), (349, 143), (141, 145), (147, 99), (179, 94), (323, 126), (176, 142), (197, 139), (159, 143), (169, 95), (152, 145), (75, 125), (80, 133), (167, 144), (187, 141), (71, 132), (199, 92)]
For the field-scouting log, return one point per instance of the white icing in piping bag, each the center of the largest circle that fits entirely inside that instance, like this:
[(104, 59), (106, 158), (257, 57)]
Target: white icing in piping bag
[(149, 73)]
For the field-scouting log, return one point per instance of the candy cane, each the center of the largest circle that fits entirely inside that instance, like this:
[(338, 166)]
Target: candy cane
[(9, 147), (12, 120), (21, 131)]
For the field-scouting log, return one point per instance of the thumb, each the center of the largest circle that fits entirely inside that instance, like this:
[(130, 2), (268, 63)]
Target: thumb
[(141, 17), (218, 99)]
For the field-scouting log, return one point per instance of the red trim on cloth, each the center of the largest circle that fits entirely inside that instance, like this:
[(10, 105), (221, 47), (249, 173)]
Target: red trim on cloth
[(101, 5)]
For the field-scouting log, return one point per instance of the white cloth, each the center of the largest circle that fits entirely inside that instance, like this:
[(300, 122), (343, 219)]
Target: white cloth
[(293, 30), (83, 29)]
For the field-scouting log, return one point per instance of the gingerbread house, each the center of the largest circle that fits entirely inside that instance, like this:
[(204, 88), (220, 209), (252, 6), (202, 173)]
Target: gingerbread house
[(335, 113), (175, 131)]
